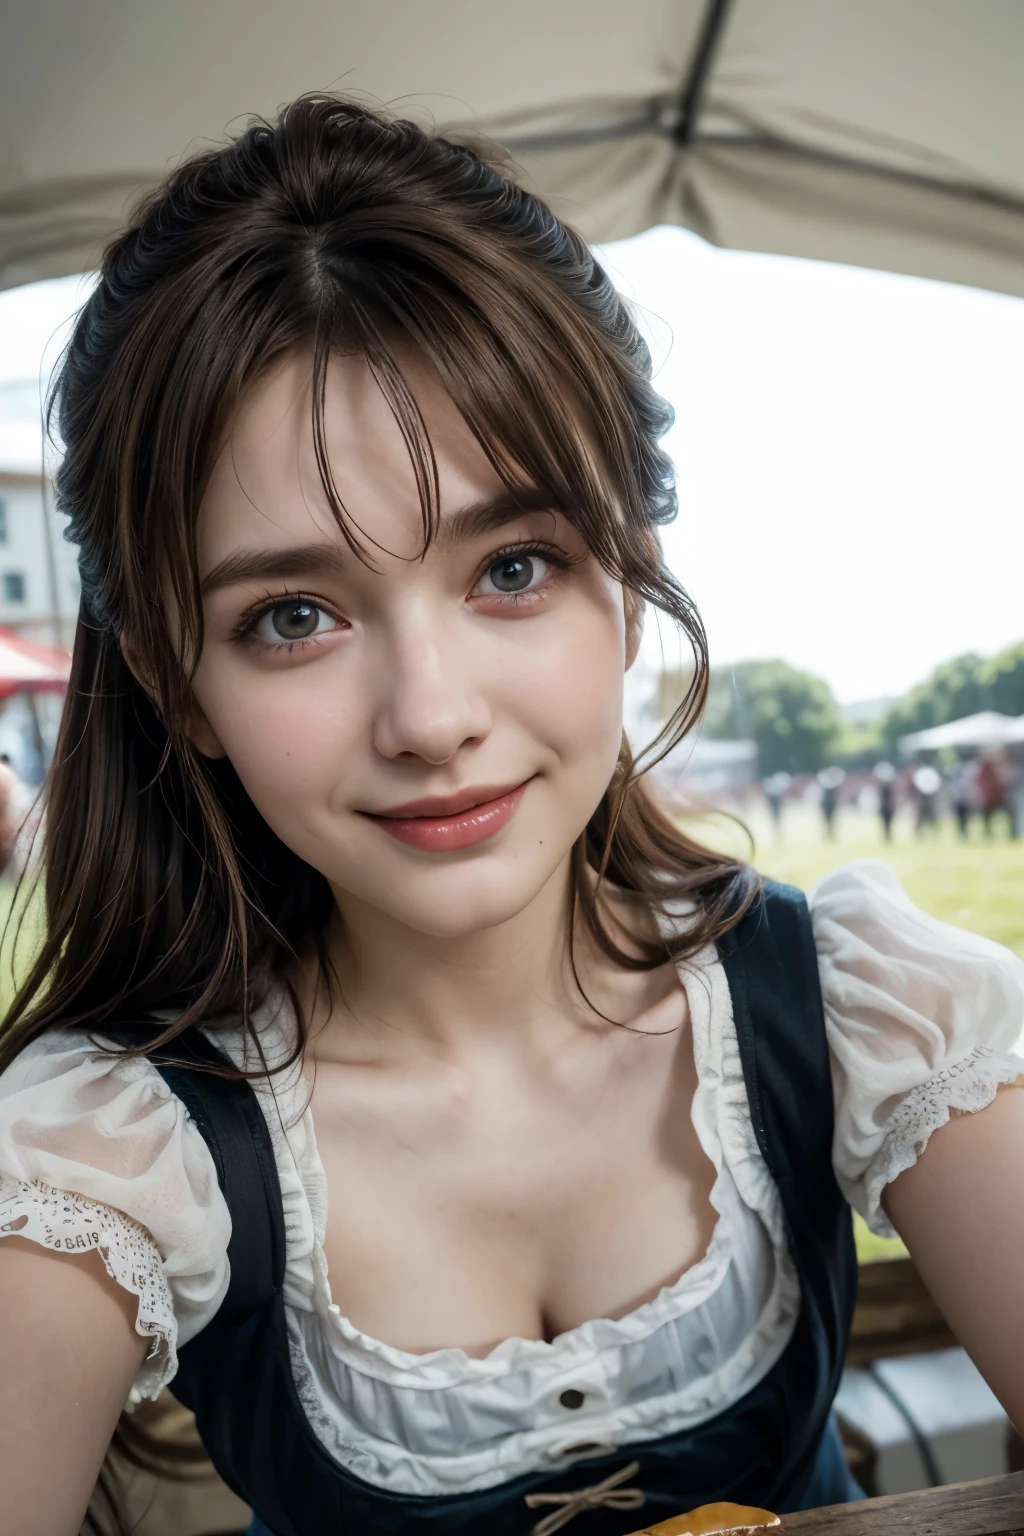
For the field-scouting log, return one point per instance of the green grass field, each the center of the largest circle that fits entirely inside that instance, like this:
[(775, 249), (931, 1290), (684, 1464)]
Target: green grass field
[(18, 939), (977, 884)]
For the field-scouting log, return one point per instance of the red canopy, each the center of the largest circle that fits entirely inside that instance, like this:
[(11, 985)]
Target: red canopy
[(28, 667)]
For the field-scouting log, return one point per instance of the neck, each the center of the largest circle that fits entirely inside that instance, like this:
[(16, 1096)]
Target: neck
[(402, 989), (450, 993)]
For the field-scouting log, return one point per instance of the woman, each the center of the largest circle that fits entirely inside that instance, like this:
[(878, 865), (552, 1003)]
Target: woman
[(363, 459)]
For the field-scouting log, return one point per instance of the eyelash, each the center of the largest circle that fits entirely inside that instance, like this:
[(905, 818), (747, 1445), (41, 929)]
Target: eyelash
[(554, 556), (244, 630)]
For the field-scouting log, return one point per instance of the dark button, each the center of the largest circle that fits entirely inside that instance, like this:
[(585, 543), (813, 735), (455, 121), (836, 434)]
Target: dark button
[(572, 1397)]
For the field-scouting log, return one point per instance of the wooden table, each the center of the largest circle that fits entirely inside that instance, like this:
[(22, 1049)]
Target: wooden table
[(992, 1507)]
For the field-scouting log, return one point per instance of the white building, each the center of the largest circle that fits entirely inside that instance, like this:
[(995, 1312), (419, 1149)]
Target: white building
[(38, 569)]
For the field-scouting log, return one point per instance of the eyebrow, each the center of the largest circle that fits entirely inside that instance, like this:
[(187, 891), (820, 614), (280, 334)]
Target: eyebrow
[(469, 522), (268, 564), (491, 512)]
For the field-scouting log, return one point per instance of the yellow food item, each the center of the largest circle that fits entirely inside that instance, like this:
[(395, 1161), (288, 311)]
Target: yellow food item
[(715, 1520)]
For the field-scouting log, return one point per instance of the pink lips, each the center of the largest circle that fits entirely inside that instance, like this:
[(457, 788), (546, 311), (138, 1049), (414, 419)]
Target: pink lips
[(445, 822)]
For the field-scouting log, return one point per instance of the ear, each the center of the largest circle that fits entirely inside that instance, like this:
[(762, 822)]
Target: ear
[(635, 608), (197, 728), (202, 734)]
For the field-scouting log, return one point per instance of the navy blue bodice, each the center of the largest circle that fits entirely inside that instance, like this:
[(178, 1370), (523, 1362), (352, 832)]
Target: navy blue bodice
[(774, 1448)]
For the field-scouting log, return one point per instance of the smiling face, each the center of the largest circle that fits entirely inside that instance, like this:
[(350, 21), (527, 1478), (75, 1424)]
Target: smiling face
[(431, 732)]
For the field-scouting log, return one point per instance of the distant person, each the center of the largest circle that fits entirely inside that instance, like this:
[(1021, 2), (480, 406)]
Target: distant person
[(829, 781), (927, 785), (9, 817), (990, 784), (885, 785), (21, 809), (961, 784), (1015, 792), (775, 787)]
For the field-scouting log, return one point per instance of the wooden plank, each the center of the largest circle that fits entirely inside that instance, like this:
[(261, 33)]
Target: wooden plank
[(992, 1507)]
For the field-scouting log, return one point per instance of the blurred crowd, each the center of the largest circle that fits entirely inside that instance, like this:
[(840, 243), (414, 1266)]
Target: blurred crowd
[(983, 788), (19, 813)]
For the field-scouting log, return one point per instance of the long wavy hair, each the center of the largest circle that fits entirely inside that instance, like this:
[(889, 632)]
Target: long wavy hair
[(334, 227)]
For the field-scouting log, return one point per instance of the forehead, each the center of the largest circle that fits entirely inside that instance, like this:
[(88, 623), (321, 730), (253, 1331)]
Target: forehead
[(266, 486)]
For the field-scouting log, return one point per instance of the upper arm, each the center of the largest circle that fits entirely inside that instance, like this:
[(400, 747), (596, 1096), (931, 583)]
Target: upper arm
[(113, 1248), (924, 1023), (960, 1211), (69, 1354)]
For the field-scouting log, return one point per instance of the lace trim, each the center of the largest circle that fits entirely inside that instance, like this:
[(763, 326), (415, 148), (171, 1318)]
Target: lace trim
[(965, 1087), (69, 1223)]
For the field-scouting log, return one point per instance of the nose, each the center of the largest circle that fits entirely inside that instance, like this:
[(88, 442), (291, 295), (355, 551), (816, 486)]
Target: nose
[(430, 701)]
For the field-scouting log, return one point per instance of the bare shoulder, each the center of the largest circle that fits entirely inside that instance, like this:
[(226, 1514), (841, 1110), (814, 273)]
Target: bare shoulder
[(28, 1272)]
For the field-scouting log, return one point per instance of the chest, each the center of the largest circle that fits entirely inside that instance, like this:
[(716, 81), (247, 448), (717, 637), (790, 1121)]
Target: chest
[(468, 1207)]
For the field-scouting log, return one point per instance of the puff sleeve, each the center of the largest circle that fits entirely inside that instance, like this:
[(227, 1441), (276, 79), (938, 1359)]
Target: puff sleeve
[(97, 1153), (922, 1019)]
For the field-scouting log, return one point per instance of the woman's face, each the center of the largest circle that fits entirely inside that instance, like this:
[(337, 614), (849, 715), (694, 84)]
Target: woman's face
[(431, 732)]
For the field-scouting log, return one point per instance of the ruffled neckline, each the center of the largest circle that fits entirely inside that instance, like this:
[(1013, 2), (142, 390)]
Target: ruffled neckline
[(686, 1293), (742, 1191)]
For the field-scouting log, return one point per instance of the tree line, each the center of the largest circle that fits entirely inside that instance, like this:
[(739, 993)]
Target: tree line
[(799, 727)]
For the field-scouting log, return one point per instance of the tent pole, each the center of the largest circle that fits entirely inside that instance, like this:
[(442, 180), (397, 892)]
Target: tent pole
[(692, 100), (37, 732), (51, 569)]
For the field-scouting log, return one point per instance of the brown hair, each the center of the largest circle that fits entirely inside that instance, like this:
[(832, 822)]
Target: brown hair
[(338, 227)]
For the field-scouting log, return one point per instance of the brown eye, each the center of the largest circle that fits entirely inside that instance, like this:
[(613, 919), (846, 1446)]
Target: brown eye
[(298, 619)]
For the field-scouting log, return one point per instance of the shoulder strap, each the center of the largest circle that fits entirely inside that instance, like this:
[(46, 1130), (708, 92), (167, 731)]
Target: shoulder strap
[(771, 964), (227, 1114)]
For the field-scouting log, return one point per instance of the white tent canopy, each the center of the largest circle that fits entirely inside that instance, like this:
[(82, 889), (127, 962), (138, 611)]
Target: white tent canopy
[(987, 729), (878, 132), (27, 667)]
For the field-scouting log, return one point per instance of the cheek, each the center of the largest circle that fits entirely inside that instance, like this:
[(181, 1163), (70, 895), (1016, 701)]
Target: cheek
[(288, 735), (565, 684)]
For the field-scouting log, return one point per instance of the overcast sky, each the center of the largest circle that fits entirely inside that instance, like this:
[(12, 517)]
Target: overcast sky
[(848, 446)]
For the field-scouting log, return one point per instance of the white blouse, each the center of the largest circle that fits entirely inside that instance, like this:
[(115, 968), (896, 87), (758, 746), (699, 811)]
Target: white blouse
[(95, 1152)]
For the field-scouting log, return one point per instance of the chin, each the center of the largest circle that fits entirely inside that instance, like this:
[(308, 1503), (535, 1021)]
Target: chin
[(463, 900)]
